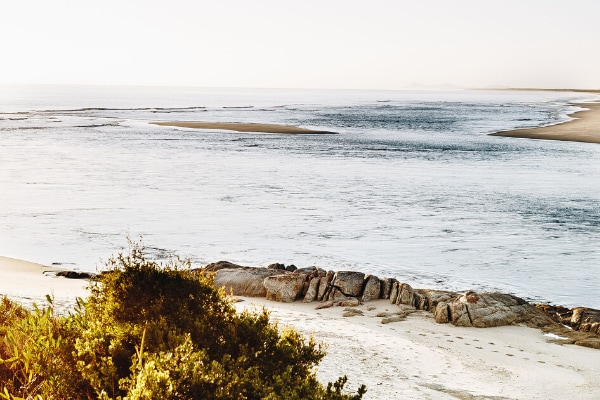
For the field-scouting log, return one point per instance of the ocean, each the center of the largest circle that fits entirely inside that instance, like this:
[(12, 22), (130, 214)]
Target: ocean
[(411, 187)]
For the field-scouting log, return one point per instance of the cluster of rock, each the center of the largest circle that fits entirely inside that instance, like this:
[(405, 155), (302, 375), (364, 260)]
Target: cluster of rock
[(287, 284), (580, 319)]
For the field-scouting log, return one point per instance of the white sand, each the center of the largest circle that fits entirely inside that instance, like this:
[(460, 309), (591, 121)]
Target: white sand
[(420, 359), (29, 283), (411, 359)]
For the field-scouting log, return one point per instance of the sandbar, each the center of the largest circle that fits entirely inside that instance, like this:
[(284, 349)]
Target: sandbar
[(415, 358), (585, 127), (243, 127)]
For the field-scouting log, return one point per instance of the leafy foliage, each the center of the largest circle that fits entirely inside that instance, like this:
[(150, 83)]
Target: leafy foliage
[(151, 331), (36, 354)]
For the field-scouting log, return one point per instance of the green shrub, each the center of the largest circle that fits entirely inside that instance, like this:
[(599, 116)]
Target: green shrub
[(151, 331), (36, 354)]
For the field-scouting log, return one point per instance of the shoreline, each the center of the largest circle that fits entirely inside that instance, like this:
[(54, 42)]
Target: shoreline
[(28, 283), (412, 358), (244, 127), (584, 127)]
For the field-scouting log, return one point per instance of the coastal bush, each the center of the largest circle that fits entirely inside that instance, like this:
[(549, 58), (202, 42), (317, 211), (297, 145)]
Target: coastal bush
[(148, 331), (36, 354)]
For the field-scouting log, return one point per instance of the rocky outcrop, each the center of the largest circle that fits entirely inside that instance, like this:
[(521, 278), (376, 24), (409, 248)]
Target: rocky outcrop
[(586, 320), (580, 325), (349, 289), (579, 318)]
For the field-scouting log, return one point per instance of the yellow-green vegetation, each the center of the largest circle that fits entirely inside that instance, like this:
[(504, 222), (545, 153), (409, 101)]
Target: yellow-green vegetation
[(153, 331)]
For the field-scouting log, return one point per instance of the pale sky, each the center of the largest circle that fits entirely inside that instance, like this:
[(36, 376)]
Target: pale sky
[(375, 44)]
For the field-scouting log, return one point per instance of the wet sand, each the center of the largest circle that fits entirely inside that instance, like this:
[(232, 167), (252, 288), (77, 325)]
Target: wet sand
[(243, 127)]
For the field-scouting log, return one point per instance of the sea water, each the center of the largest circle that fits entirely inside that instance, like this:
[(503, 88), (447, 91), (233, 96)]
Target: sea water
[(411, 187)]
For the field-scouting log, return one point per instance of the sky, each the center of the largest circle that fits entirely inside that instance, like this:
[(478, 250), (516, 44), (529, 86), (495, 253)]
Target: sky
[(375, 44)]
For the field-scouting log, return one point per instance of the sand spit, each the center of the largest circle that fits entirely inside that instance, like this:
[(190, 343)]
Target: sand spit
[(584, 128), (243, 127)]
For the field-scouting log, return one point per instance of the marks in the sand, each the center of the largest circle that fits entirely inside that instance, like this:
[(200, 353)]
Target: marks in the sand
[(485, 356), (461, 394)]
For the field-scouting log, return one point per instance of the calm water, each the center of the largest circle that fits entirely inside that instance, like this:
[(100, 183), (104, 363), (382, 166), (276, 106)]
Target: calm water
[(411, 187)]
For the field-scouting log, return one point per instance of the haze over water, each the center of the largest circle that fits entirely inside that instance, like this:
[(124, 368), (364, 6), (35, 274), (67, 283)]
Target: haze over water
[(411, 187)]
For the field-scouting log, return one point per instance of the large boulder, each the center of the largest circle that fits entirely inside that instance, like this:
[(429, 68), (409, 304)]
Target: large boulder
[(284, 288), (458, 314), (350, 283), (405, 295), (386, 287), (372, 289), (313, 290), (441, 313), (323, 286), (394, 291), (421, 301), (244, 281)]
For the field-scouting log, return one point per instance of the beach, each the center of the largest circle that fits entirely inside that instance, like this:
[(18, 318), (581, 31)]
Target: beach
[(414, 358), (243, 127), (29, 283), (417, 358), (585, 127)]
